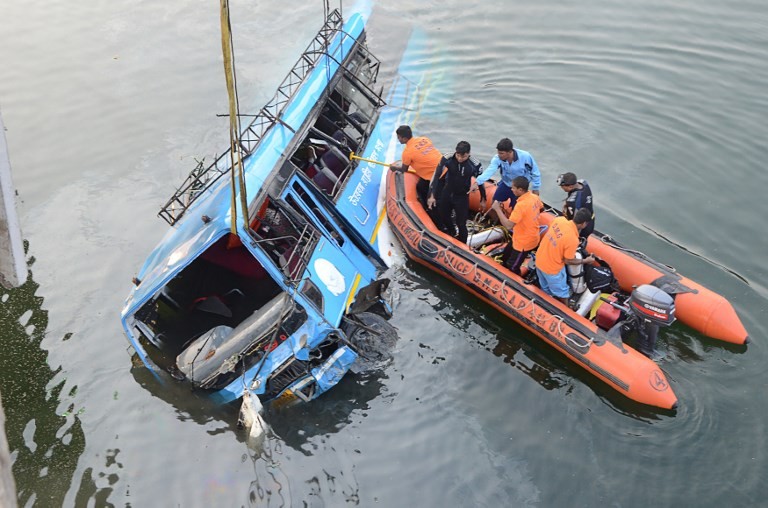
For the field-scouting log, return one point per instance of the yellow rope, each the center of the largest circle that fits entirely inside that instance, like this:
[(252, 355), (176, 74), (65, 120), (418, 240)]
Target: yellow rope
[(235, 153)]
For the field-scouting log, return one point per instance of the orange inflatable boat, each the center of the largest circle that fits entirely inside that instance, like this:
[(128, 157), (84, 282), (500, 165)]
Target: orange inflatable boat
[(581, 336)]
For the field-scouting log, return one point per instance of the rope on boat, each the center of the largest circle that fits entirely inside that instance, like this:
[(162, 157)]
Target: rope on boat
[(422, 247), (586, 345), (442, 251), (560, 321), (488, 286), (531, 302), (503, 298), (448, 260), (616, 245)]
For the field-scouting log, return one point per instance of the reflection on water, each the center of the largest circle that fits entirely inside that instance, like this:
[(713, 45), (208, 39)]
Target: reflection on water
[(307, 428), (529, 363), (528, 353), (272, 486), (505, 339), (295, 424), (298, 424), (190, 404), (303, 427), (45, 435)]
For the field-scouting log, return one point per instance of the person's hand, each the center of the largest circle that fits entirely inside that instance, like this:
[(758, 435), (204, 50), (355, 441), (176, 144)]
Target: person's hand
[(396, 166), (496, 206), (473, 187), (535, 192), (589, 259), (431, 202)]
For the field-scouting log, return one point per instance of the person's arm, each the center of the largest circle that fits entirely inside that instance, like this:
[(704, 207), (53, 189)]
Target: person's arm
[(574, 261), (567, 208), (587, 193), (433, 183), (496, 207), (493, 166), (478, 171), (535, 176), (482, 197), (399, 166), (402, 165), (569, 254)]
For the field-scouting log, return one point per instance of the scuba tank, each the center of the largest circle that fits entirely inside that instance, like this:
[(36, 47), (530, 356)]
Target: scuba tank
[(576, 275), (489, 235)]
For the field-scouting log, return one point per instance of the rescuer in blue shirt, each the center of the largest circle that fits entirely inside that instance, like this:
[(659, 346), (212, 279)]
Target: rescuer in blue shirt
[(511, 162)]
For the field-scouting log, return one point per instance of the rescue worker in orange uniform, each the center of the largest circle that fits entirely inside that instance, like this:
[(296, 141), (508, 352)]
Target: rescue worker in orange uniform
[(557, 249), (422, 157), (523, 222)]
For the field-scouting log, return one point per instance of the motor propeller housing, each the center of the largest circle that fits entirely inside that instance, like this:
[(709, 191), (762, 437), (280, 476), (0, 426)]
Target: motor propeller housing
[(653, 304)]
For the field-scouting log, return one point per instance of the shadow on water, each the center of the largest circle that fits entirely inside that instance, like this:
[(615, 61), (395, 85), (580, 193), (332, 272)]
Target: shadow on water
[(298, 424), (190, 404), (519, 348), (294, 424), (46, 441)]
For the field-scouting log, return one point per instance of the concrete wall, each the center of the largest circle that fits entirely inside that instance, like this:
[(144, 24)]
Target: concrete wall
[(13, 272), (13, 269), (7, 485)]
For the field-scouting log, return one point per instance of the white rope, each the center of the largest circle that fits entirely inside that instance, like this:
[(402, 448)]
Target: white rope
[(560, 332), (448, 260)]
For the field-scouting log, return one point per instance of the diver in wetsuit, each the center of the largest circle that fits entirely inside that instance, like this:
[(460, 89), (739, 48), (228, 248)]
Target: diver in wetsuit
[(459, 168), (579, 196)]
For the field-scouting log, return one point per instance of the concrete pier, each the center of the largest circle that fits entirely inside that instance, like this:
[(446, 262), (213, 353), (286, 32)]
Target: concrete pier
[(13, 269), (13, 272), (7, 485)]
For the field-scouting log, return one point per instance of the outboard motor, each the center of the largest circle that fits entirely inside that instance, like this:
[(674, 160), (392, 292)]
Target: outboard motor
[(651, 308)]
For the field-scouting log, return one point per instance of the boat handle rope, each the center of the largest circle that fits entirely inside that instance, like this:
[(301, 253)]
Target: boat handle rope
[(616, 245), (560, 321), (532, 301), (448, 261), (503, 298), (585, 346), (422, 245), (488, 286)]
